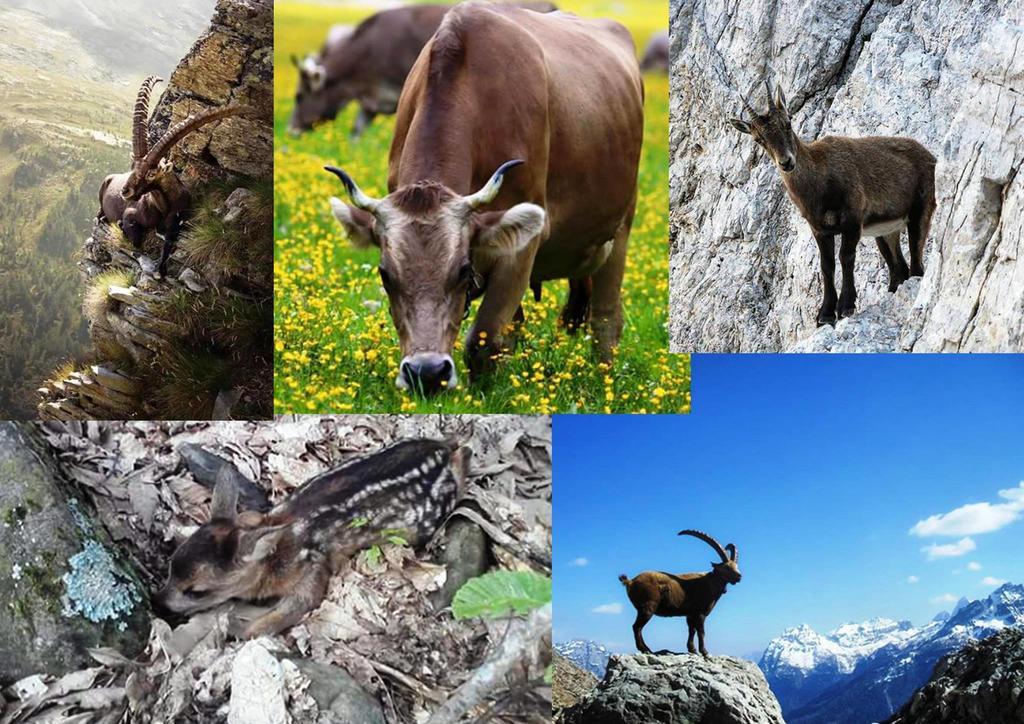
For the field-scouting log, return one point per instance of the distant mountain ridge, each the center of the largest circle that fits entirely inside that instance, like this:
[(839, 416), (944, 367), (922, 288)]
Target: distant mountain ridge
[(865, 672), (588, 655)]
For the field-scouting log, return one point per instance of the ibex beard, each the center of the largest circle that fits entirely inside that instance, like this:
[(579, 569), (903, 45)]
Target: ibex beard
[(285, 558)]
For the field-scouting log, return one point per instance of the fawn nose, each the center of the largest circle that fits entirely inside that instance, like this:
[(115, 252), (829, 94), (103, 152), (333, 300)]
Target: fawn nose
[(428, 372)]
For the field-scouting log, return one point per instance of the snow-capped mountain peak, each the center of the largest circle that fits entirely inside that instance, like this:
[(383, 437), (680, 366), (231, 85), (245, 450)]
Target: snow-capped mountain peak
[(862, 671), (587, 655)]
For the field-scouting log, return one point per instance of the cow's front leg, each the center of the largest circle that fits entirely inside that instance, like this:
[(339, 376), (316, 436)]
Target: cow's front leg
[(606, 303), (827, 252), (492, 332), (303, 596), (847, 259)]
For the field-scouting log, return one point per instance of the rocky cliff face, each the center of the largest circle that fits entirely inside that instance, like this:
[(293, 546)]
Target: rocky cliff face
[(644, 688), (571, 683), (744, 266), (981, 683), (195, 345)]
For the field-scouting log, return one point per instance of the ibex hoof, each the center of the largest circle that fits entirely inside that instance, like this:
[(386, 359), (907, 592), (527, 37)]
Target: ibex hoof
[(848, 311), (704, 653), (826, 318)]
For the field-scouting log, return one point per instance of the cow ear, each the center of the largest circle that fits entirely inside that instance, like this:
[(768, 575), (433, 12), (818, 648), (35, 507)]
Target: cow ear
[(225, 496), (508, 232), (358, 224), (741, 126)]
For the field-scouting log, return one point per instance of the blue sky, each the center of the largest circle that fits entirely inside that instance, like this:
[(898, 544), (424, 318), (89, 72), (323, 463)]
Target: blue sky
[(854, 487)]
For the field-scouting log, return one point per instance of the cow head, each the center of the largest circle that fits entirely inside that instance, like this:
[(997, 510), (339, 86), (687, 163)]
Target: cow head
[(313, 102), (429, 239)]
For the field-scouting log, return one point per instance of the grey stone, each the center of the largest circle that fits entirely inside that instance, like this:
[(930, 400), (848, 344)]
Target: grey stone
[(744, 270), (40, 534), (339, 697), (678, 689)]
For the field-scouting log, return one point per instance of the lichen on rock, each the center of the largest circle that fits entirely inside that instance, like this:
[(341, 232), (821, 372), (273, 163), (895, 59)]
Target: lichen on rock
[(97, 588)]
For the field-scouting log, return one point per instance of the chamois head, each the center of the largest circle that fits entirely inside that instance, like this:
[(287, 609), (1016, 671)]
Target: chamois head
[(728, 568), (428, 236), (773, 131)]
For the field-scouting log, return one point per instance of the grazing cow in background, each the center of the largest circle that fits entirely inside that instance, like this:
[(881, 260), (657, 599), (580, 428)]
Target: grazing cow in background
[(554, 103), (656, 54), (367, 64)]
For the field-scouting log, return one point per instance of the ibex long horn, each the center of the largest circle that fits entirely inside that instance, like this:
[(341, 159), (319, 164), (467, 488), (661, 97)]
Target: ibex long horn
[(734, 554), (490, 190), (140, 142), (768, 88), (709, 540), (178, 131), (359, 199)]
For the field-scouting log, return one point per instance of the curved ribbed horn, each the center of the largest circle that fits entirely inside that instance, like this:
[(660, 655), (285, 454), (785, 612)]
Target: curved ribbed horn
[(490, 190), (140, 142), (734, 554), (709, 540), (178, 131), (355, 194), (768, 89)]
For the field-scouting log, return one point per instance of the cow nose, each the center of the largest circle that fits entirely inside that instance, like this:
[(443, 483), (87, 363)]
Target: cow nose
[(428, 372)]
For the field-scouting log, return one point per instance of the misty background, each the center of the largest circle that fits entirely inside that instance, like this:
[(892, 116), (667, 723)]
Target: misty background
[(69, 70)]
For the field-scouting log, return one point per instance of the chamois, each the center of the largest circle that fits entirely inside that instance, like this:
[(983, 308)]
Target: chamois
[(654, 593), (875, 186), (151, 196)]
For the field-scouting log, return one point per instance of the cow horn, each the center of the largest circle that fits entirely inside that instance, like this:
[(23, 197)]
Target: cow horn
[(733, 553), (358, 198), (709, 540), (490, 190), (178, 131), (140, 143)]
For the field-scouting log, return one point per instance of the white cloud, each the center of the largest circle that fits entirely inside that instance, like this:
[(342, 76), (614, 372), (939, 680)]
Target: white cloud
[(944, 598), (992, 581), (609, 608), (974, 518), (912, 579), (949, 550), (974, 566), (579, 562)]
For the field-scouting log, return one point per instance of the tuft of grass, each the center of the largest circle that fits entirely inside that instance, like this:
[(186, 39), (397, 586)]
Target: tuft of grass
[(232, 249), (188, 382), (62, 372), (95, 302), (335, 346)]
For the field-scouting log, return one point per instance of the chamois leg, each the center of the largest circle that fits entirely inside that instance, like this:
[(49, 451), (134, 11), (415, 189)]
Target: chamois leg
[(827, 252), (606, 304), (691, 625), (918, 226), (848, 258), (899, 272), (642, 617), (577, 306)]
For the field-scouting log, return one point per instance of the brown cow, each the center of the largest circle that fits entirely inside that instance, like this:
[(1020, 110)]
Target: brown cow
[(656, 55), (367, 64), (563, 97)]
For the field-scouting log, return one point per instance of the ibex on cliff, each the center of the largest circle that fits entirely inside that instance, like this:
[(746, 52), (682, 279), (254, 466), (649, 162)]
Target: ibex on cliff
[(151, 196), (877, 185), (286, 557), (693, 595)]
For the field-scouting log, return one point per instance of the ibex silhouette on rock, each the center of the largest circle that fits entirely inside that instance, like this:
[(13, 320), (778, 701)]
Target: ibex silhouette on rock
[(693, 595)]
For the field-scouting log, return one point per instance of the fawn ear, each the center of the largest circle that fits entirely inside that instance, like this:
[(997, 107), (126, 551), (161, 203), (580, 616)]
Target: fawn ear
[(225, 495), (262, 543)]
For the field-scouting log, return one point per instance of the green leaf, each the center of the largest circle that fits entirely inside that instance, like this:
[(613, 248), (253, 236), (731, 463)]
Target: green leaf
[(358, 522), (396, 540), (496, 594), (549, 674)]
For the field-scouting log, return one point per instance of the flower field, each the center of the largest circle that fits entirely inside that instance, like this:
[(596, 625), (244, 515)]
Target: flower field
[(335, 347)]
